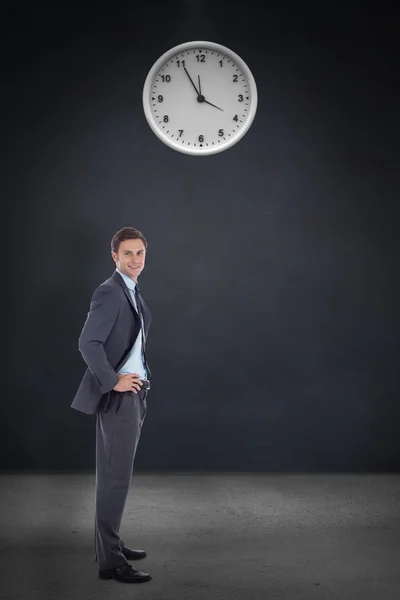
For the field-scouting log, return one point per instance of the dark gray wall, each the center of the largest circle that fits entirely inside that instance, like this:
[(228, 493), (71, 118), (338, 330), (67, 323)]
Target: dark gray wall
[(272, 267)]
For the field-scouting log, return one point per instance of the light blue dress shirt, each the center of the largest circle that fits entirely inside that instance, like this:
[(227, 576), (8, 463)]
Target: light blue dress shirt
[(135, 362)]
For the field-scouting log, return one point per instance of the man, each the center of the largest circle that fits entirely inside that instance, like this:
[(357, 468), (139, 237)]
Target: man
[(115, 387)]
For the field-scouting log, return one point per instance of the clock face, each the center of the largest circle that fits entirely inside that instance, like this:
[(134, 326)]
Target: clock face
[(200, 98)]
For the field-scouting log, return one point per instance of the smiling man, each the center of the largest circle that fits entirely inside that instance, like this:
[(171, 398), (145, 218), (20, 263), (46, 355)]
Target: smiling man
[(115, 387)]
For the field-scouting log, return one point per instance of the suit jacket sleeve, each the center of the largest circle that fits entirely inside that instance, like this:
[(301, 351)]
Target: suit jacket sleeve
[(101, 318)]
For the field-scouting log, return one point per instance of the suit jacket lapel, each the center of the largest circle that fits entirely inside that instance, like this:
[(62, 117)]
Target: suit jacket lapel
[(146, 320), (128, 295), (117, 277)]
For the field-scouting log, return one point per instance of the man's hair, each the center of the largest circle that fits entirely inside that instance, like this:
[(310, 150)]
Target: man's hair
[(126, 233)]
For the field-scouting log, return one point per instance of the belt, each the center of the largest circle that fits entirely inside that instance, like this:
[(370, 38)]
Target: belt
[(146, 384)]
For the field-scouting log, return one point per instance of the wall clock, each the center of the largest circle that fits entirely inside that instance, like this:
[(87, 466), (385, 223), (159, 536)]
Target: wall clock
[(200, 98)]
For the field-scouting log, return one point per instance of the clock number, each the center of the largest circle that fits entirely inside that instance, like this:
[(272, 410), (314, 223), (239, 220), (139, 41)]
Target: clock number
[(240, 97), (235, 118), (201, 138), (220, 63), (201, 58), (178, 62), (166, 78), (221, 132), (235, 78), (166, 118), (180, 132), (160, 98)]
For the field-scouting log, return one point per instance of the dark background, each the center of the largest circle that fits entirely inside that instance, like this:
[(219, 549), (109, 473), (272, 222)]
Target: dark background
[(272, 268)]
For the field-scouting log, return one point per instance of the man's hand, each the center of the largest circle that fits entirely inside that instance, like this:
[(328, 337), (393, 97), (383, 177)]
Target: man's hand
[(128, 383)]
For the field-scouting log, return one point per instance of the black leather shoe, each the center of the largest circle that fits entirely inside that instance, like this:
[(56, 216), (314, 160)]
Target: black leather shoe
[(124, 573), (133, 554)]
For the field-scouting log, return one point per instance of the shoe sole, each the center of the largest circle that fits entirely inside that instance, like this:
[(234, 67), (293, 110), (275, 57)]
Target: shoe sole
[(127, 558), (138, 580)]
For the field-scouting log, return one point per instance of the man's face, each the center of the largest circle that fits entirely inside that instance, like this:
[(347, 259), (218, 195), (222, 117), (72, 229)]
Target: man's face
[(130, 258)]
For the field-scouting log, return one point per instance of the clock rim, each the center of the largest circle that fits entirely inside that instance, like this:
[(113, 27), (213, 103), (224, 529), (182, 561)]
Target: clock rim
[(189, 46)]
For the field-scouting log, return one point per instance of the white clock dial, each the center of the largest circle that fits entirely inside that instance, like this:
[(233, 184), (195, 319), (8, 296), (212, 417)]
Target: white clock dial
[(200, 98)]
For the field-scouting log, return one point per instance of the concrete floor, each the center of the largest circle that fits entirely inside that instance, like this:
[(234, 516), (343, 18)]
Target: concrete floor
[(208, 536)]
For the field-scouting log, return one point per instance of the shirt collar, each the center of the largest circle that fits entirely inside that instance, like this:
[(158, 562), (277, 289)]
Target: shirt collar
[(129, 283)]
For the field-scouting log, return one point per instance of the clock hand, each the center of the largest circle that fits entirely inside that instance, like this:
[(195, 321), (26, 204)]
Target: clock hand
[(191, 81), (206, 101), (201, 98)]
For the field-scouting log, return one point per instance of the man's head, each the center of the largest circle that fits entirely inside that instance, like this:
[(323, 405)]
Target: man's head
[(128, 249)]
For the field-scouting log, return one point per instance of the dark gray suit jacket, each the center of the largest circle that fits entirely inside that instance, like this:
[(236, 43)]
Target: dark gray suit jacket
[(107, 337)]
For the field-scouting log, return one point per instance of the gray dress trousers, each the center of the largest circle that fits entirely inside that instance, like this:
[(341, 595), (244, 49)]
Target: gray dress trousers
[(117, 436)]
